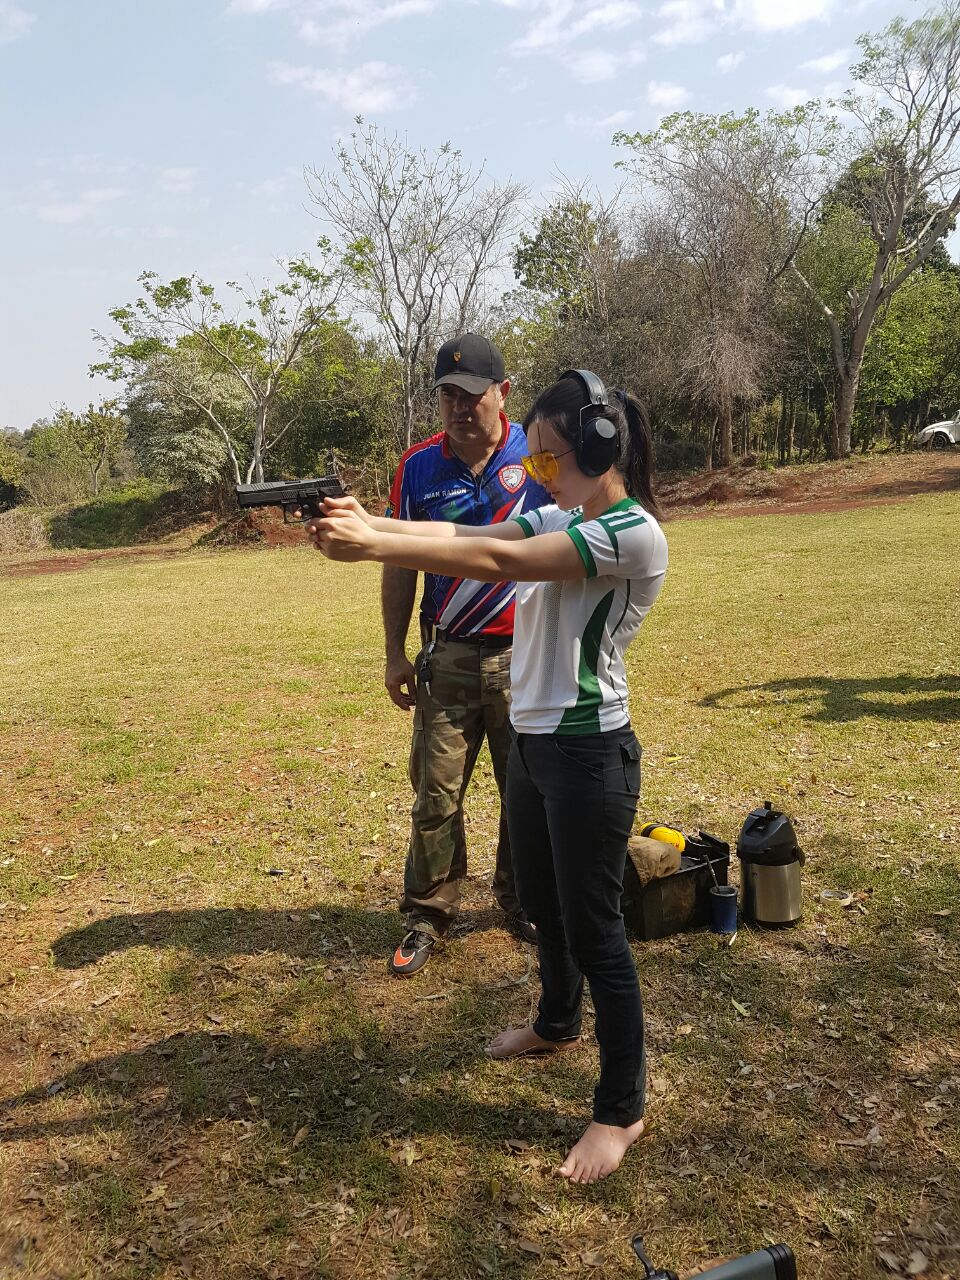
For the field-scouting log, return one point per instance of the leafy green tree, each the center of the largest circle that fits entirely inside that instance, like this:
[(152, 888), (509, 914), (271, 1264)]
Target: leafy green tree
[(11, 469), (903, 367), (53, 471), (96, 438), (573, 254), (904, 182), (233, 371)]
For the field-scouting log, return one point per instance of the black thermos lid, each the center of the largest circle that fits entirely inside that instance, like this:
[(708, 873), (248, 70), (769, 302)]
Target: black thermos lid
[(768, 837)]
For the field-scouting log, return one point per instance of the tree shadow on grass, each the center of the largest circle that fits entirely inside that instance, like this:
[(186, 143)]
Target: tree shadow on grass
[(831, 700), (211, 1093), (304, 1132)]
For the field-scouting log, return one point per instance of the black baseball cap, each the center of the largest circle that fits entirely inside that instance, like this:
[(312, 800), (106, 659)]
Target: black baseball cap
[(469, 362)]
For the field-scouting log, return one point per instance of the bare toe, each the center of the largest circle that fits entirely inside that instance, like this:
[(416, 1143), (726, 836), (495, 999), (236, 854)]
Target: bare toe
[(599, 1151)]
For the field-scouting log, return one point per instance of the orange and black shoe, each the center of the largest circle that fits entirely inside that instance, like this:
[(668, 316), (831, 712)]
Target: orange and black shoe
[(415, 949)]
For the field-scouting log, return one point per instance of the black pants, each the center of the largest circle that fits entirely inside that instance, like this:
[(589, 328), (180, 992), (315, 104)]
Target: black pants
[(571, 802)]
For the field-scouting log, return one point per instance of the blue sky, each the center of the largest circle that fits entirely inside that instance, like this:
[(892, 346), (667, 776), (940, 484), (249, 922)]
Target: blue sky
[(172, 134)]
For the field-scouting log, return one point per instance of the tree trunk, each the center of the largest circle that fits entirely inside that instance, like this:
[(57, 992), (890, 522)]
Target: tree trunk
[(791, 430), (711, 433), (839, 443), (726, 434), (255, 470)]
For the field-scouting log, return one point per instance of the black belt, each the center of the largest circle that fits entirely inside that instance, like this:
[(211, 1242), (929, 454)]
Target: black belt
[(432, 632)]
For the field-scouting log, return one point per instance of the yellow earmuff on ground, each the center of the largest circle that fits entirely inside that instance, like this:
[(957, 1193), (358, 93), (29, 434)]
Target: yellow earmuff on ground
[(669, 835)]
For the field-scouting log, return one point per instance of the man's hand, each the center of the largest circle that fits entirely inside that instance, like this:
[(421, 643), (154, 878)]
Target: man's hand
[(343, 535), (400, 682)]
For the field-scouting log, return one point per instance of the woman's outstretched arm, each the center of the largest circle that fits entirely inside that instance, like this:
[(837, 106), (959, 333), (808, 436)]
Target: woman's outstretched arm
[(548, 557), (508, 530)]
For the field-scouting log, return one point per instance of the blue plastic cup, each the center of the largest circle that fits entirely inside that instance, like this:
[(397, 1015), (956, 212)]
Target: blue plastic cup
[(723, 908)]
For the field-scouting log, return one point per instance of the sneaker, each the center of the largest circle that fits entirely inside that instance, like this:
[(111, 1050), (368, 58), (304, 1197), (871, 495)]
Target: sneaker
[(415, 949), (524, 928)]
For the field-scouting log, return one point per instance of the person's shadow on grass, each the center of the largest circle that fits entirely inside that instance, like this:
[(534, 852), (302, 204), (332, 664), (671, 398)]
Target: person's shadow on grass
[(309, 933), (834, 700)]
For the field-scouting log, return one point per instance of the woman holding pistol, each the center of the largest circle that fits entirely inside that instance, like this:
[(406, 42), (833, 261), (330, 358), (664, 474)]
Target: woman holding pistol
[(587, 572)]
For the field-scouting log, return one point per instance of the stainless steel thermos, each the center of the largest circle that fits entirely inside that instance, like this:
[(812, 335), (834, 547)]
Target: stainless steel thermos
[(770, 862)]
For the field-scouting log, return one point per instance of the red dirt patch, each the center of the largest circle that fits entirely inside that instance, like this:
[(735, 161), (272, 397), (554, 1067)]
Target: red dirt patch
[(83, 560)]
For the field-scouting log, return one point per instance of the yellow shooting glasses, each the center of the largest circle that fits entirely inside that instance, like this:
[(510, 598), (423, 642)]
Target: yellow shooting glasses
[(543, 466)]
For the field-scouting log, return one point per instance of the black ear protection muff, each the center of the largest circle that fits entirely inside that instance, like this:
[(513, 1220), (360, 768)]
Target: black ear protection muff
[(598, 440)]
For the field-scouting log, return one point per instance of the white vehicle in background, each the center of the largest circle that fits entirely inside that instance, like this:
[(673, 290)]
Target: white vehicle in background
[(939, 435)]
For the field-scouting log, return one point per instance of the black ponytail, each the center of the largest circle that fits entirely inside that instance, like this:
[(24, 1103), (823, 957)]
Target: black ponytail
[(637, 462), (561, 406)]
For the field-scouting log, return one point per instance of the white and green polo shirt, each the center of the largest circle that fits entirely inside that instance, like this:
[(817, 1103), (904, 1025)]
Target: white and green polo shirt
[(567, 674)]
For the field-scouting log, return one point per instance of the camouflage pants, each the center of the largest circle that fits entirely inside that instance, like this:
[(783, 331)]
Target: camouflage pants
[(469, 699)]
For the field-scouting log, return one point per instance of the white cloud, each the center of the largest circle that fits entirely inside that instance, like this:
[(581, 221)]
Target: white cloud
[(591, 124), (779, 15), (178, 181), (336, 22), (371, 87), (562, 22), (14, 21), (666, 96), (596, 66), (688, 21), (693, 21), (730, 61), (829, 62), (255, 6), (782, 95), (77, 210)]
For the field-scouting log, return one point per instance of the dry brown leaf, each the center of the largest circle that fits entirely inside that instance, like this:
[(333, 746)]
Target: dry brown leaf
[(918, 1263), (300, 1136), (530, 1246)]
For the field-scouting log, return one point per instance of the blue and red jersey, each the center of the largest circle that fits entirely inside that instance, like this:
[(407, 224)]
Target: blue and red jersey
[(432, 483)]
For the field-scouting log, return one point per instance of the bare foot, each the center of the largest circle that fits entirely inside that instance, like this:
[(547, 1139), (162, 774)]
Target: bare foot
[(599, 1151), (516, 1041)]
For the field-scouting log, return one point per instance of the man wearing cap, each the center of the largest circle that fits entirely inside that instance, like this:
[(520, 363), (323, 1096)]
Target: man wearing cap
[(459, 688)]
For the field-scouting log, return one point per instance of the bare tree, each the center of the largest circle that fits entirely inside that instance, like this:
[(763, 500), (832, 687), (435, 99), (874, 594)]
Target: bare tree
[(420, 234), (906, 135), (731, 200), (199, 356)]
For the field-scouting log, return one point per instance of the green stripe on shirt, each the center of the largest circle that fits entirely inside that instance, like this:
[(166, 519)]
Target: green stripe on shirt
[(584, 715), (526, 526), (586, 555)]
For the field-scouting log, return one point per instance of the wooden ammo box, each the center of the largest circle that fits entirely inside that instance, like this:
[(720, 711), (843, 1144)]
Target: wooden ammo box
[(679, 901)]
